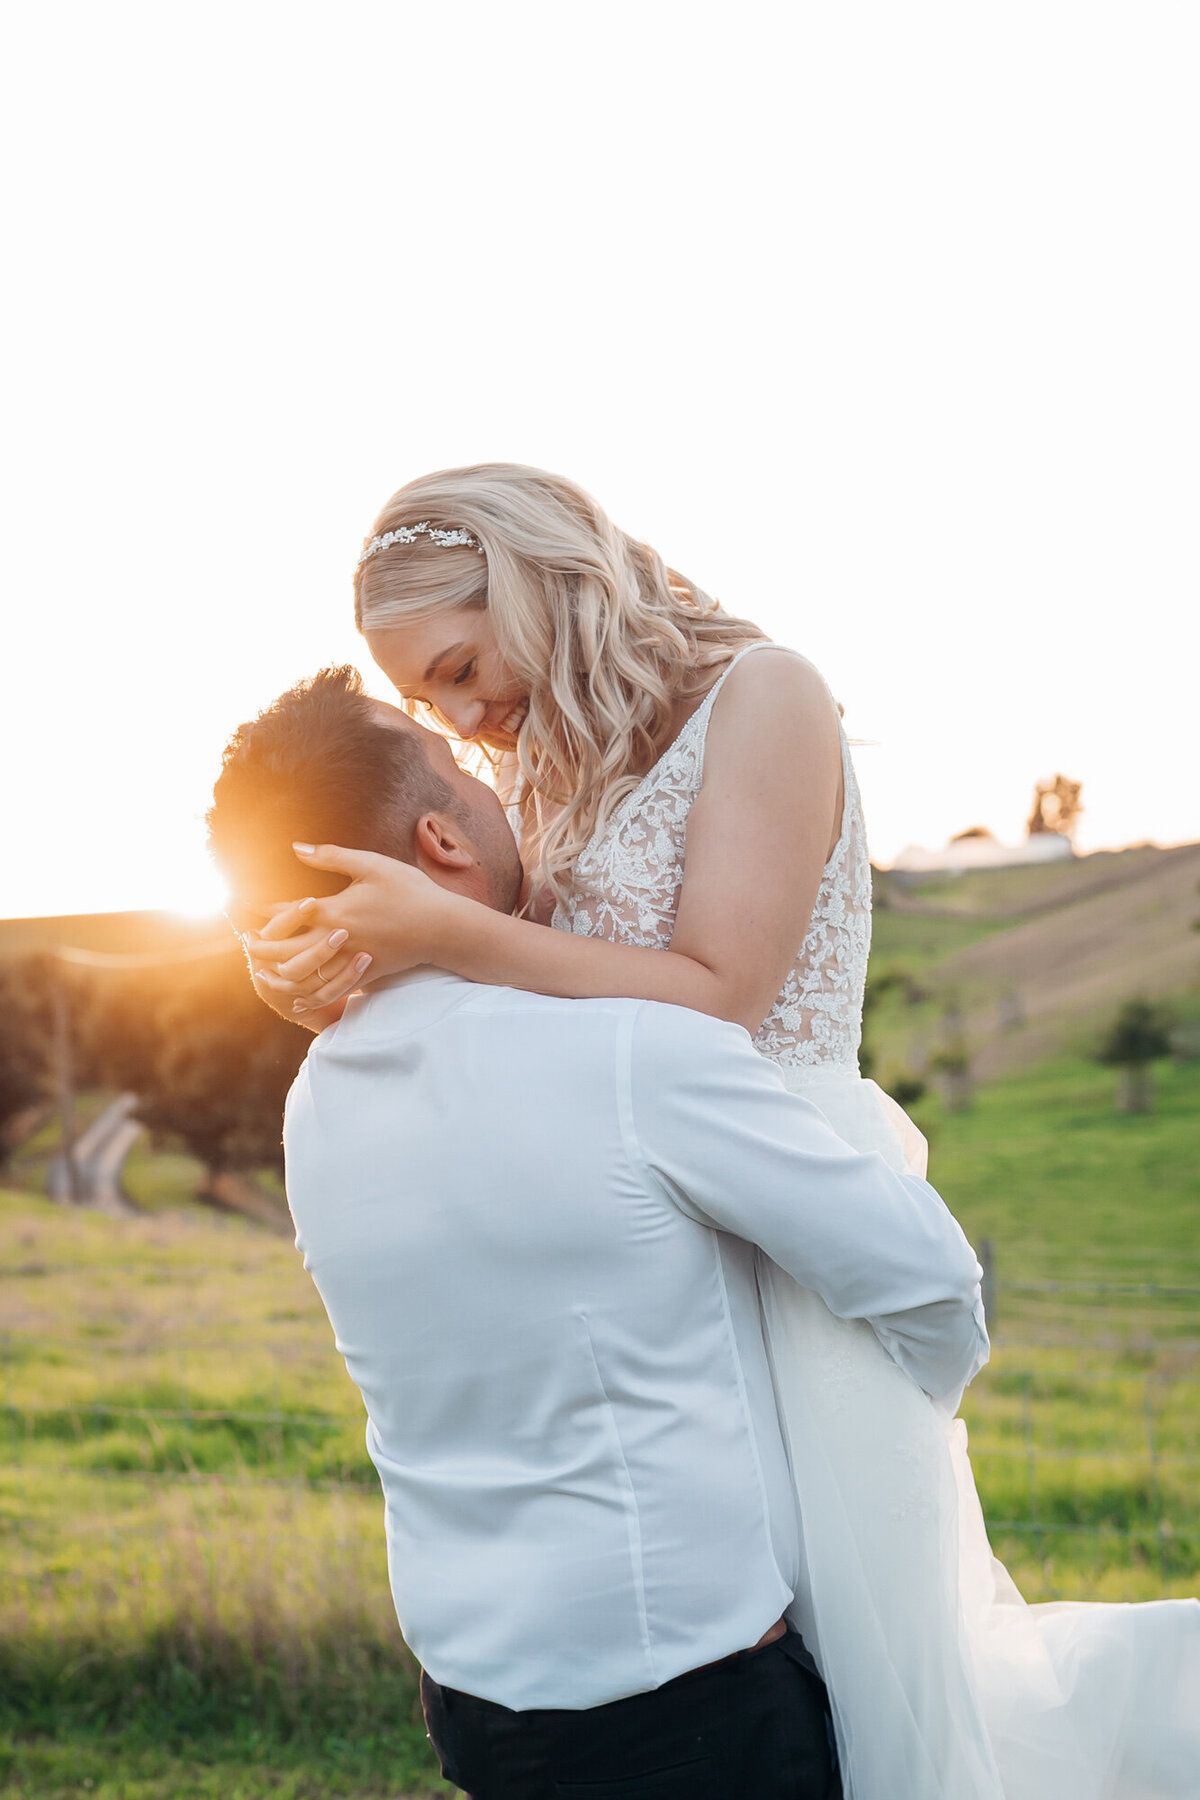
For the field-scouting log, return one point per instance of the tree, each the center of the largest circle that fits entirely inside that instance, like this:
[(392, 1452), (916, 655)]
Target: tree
[(1056, 807), (904, 1087), (25, 1047), (1137, 1037), (953, 1063), (221, 1071), (23, 1083)]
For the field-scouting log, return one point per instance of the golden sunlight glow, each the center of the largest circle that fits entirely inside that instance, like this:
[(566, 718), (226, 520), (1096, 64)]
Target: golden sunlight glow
[(206, 894)]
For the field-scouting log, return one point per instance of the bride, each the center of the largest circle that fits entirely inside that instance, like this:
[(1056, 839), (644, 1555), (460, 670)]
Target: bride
[(692, 831)]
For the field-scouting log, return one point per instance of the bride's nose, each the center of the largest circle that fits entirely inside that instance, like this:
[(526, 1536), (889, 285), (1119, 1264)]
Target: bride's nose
[(466, 716)]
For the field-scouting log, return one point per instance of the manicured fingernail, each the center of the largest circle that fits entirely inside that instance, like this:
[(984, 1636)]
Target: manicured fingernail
[(299, 1006), (304, 849), (337, 939), (306, 905), (361, 963)]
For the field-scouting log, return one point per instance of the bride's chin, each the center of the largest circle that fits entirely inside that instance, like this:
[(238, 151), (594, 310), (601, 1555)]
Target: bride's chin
[(498, 741)]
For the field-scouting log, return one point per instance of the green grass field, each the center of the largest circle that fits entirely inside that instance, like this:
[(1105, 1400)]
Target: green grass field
[(1068, 1187), (191, 1537), (1086, 1424), (195, 1604)]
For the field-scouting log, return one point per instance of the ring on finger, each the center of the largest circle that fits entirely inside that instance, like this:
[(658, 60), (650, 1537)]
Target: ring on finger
[(320, 972)]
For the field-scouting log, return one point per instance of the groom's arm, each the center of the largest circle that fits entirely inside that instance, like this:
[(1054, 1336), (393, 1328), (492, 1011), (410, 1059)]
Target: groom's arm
[(714, 1126)]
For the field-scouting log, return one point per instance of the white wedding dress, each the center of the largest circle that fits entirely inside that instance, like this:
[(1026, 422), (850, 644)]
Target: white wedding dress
[(944, 1684)]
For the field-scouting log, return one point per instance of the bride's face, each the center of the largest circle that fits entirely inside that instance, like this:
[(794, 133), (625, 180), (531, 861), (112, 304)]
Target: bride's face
[(451, 665)]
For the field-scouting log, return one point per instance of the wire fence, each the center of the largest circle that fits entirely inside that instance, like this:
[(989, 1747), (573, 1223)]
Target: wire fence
[(1101, 1288), (1040, 1426)]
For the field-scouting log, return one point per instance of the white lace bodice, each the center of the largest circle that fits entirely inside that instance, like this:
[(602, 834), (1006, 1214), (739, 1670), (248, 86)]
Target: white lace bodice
[(625, 887)]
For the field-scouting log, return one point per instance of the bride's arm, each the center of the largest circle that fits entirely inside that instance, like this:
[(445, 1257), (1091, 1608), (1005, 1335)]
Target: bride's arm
[(759, 835)]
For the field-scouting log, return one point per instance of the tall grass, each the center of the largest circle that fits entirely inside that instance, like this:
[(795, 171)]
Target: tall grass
[(204, 1607), (205, 1592)]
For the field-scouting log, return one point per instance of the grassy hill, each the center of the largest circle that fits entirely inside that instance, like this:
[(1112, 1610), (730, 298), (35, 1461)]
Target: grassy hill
[(113, 933), (1035, 959), (1026, 888)]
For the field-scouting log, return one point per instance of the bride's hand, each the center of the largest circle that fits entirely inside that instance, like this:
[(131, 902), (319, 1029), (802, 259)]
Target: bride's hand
[(314, 952)]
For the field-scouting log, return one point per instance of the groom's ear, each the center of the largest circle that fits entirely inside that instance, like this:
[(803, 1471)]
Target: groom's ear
[(440, 845)]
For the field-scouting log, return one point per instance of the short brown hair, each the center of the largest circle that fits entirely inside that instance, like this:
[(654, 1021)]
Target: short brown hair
[(319, 766)]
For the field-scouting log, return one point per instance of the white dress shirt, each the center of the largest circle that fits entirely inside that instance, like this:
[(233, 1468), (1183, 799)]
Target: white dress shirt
[(532, 1223)]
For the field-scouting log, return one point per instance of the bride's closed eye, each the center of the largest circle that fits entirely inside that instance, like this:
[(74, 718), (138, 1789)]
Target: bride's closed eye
[(465, 673)]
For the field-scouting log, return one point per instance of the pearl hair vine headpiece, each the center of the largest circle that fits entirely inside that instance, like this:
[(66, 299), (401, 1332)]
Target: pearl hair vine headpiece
[(408, 534)]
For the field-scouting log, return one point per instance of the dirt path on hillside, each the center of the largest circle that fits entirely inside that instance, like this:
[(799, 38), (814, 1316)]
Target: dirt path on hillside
[(1058, 976)]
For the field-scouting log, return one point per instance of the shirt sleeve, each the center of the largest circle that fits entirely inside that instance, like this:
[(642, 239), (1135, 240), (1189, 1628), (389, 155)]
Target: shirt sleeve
[(715, 1128)]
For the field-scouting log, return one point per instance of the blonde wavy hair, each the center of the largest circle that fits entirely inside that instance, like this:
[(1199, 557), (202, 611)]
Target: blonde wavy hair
[(604, 637)]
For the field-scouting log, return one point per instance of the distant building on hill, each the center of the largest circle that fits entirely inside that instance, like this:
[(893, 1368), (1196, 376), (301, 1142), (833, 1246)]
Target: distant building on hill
[(978, 849), (1056, 807)]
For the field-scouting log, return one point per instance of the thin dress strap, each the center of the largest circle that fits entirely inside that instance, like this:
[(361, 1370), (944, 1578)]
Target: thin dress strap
[(706, 704), (699, 719)]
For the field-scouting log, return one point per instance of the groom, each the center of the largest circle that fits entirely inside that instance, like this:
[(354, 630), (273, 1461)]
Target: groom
[(533, 1223)]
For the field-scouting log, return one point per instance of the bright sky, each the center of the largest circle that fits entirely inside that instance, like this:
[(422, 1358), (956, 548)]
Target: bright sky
[(878, 320)]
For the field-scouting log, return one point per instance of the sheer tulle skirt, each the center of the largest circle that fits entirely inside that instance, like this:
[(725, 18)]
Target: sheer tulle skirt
[(944, 1684)]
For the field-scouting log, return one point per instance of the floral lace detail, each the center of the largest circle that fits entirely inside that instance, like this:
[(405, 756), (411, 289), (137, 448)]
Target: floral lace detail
[(625, 887), (837, 1364), (911, 1496)]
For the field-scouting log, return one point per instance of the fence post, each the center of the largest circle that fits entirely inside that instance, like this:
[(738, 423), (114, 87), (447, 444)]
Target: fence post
[(11, 1420), (1030, 1456), (186, 1409), (987, 1263), (1155, 1488), (65, 1082), (277, 1406)]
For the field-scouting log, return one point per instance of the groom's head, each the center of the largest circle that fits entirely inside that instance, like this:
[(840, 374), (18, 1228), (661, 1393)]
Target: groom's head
[(327, 764)]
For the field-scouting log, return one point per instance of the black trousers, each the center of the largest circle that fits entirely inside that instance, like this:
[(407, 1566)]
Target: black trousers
[(753, 1728)]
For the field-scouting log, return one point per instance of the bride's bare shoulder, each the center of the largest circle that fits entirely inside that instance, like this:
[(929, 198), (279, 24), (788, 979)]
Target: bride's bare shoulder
[(775, 691), (773, 717)]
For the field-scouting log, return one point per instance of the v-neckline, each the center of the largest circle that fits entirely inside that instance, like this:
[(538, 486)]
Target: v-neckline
[(705, 701), (619, 812)]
